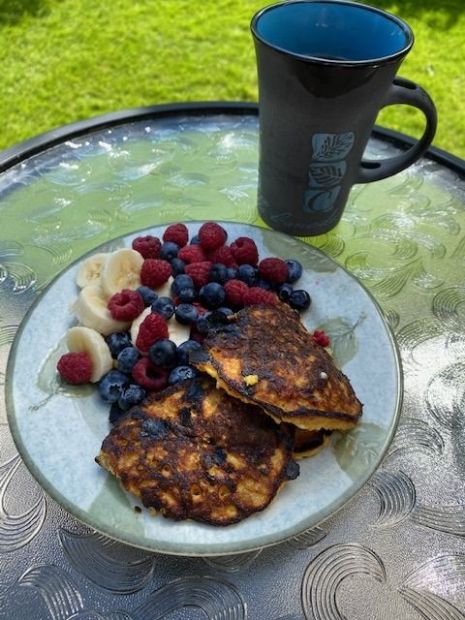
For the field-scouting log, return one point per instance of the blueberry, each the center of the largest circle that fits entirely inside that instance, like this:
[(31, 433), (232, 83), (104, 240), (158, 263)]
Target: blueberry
[(219, 456), (203, 323), (117, 341), (169, 250), (233, 272), (292, 470), (126, 359), (181, 373), (163, 353), (185, 348), (185, 415), (186, 295), (218, 273), (111, 385), (268, 286), (225, 311), (295, 270), (164, 306), (195, 240), (147, 294), (181, 281), (219, 316), (177, 265), (248, 274), (132, 395), (154, 428), (186, 314), (300, 300), (212, 295), (115, 413), (195, 394), (285, 291)]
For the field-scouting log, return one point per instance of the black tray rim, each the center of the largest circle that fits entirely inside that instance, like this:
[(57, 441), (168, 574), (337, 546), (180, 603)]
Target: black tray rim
[(37, 144)]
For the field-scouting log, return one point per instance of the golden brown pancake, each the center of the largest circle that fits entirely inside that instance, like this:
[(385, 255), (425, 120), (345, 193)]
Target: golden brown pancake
[(194, 452), (265, 356), (309, 443)]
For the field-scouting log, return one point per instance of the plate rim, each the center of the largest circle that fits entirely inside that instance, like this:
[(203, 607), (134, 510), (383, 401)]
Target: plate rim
[(189, 550)]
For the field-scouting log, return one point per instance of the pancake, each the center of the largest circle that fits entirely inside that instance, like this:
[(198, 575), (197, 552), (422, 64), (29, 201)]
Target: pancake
[(309, 443), (193, 452), (265, 356)]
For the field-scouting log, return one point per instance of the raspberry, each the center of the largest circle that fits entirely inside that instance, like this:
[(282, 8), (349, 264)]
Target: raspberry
[(274, 270), (244, 251), (149, 246), (199, 272), (235, 291), (149, 376), (321, 338), (126, 305), (155, 272), (192, 254), (212, 236), (177, 233), (256, 295), (152, 328), (224, 256), (75, 368)]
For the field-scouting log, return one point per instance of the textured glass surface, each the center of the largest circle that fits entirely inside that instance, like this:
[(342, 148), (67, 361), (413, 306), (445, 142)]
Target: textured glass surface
[(398, 549)]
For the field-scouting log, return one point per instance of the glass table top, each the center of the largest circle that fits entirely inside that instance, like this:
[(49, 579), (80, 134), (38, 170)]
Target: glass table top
[(398, 549)]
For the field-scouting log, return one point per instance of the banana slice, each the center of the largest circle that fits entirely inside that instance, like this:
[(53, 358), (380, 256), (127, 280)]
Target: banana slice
[(178, 333), (90, 309), (136, 324), (90, 270), (121, 270), (165, 289), (84, 339)]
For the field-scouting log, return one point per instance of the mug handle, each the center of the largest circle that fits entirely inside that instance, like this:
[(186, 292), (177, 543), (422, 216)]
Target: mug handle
[(406, 92)]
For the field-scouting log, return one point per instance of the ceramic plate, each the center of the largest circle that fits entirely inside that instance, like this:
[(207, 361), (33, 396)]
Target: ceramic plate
[(58, 431)]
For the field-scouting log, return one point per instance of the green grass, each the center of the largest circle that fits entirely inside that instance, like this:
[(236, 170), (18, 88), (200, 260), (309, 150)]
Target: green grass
[(67, 60)]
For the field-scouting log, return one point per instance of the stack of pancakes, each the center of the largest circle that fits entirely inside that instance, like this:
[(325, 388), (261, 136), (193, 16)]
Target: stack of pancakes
[(218, 448)]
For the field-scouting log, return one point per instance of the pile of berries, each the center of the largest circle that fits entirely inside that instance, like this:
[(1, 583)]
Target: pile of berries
[(214, 273), (210, 279)]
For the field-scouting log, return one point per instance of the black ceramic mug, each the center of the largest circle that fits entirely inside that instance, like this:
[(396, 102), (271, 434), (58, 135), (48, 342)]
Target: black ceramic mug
[(325, 69)]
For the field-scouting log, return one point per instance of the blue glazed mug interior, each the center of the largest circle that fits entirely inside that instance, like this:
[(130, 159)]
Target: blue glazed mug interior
[(333, 31)]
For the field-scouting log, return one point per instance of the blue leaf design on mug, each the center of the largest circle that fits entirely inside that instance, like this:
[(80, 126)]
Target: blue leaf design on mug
[(326, 175), (332, 146), (316, 201)]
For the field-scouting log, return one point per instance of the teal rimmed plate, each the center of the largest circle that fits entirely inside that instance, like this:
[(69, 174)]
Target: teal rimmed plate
[(58, 431)]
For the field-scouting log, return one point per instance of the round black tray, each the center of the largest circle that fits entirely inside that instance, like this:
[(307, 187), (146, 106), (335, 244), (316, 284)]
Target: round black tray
[(23, 150)]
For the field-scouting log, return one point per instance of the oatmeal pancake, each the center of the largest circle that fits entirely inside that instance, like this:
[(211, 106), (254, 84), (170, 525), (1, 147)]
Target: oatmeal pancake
[(265, 356), (193, 452)]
